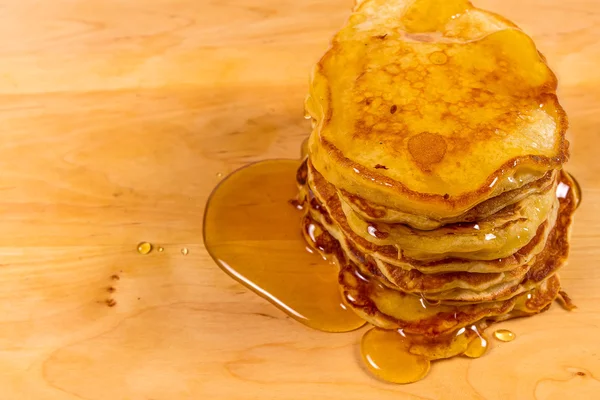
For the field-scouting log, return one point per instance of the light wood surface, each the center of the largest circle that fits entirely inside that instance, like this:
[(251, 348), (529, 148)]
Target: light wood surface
[(119, 117)]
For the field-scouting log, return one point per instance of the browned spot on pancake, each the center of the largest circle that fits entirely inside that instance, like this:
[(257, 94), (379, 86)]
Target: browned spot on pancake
[(360, 289), (556, 250), (329, 195), (482, 210), (323, 241), (379, 166), (438, 57), (376, 231), (567, 302), (544, 294), (413, 280), (427, 148), (355, 252), (296, 203), (302, 173), (364, 205), (316, 205)]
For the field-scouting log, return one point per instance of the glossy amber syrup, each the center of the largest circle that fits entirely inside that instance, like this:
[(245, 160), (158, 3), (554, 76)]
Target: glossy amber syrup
[(386, 355), (504, 335), (577, 188), (144, 248), (397, 357), (254, 234)]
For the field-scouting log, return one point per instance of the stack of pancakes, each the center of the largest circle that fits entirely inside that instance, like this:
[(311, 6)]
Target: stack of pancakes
[(433, 174)]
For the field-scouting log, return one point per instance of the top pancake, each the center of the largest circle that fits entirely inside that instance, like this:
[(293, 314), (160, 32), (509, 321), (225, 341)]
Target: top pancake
[(431, 107)]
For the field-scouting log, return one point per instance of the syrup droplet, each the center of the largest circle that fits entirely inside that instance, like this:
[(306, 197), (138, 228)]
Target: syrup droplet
[(144, 248), (399, 357), (478, 346), (219, 174), (430, 303), (386, 355), (577, 189), (161, 249), (255, 236), (304, 149), (504, 335), (185, 251)]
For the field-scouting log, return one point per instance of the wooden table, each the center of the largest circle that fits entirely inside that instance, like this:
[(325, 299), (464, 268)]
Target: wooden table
[(119, 117)]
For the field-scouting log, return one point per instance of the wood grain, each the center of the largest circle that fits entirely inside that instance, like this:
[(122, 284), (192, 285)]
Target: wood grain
[(119, 117)]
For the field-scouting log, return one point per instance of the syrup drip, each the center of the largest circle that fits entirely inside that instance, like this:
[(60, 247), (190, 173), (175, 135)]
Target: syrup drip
[(504, 335), (386, 354), (144, 248), (254, 234), (564, 187), (577, 188), (397, 357), (304, 149), (478, 345)]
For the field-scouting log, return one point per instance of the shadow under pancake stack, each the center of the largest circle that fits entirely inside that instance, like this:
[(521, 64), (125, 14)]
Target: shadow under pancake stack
[(432, 179)]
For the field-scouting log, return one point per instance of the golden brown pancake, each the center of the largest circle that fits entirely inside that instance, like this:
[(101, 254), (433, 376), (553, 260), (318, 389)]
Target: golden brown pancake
[(390, 254), (459, 286), (439, 241), (390, 308), (432, 107), (497, 236), (370, 211)]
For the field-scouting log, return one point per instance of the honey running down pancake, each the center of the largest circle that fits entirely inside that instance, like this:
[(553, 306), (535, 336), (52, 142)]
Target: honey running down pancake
[(432, 107)]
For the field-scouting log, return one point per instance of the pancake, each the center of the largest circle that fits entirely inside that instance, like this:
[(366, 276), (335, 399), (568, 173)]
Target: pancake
[(497, 236), (389, 254), (370, 211), (433, 112), (459, 286), (454, 286), (388, 308), (391, 309), (439, 240)]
